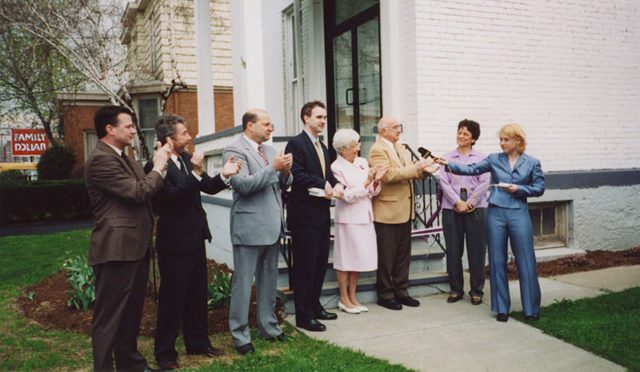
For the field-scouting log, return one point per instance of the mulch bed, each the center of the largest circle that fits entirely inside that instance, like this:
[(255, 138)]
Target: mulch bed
[(49, 308), (593, 260), (49, 305)]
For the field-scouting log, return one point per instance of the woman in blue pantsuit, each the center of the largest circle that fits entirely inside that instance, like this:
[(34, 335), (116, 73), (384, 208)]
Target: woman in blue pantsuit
[(515, 176)]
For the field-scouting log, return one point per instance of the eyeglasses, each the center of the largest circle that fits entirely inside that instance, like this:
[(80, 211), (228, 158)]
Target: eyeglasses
[(398, 127)]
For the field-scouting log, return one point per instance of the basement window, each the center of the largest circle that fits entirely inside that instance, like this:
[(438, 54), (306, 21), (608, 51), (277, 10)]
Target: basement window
[(549, 223)]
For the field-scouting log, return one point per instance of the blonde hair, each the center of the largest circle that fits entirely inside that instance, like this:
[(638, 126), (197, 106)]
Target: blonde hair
[(514, 131)]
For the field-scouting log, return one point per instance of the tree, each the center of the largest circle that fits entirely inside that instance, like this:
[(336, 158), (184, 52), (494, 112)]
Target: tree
[(31, 72), (85, 33)]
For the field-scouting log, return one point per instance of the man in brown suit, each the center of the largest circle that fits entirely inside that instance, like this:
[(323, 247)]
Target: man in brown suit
[(120, 195), (393, 211)]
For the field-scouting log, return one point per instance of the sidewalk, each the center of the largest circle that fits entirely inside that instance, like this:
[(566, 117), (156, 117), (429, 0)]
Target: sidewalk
[(438, 336)]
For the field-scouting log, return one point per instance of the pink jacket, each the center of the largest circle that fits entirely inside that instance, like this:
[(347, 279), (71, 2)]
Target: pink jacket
[(355, 207)]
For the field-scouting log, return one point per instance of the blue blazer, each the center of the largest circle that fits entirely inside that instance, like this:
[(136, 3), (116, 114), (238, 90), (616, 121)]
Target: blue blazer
[(527, 174)]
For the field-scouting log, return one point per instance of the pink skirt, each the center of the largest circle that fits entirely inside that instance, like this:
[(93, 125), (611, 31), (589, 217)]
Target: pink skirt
[(355, 247)]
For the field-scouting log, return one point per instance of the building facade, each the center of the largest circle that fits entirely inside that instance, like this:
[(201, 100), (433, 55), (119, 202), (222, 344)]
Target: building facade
[(566, 71)]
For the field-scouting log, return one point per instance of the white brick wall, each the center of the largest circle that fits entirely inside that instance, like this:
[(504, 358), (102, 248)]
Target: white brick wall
[(566, 71)]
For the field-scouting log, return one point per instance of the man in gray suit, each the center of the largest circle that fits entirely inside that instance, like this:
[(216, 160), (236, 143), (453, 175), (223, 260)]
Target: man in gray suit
[(256, 228)]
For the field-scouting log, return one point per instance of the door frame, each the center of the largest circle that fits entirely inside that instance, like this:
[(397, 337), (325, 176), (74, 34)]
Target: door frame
[(332, 30)]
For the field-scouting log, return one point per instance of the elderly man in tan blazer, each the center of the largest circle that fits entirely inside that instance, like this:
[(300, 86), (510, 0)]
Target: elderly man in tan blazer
[(393, 211), (120, 195)]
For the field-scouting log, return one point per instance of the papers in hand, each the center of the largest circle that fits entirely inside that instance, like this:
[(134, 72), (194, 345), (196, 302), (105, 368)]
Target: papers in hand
[(504, 185), (316, 191)]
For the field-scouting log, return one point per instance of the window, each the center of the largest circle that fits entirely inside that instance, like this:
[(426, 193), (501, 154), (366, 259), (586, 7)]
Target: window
[(90, 141), (148, 112), (294, 80), (549, 224)]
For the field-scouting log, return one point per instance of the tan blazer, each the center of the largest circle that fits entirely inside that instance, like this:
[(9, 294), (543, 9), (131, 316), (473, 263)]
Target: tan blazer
[(120, 202), (395, 202)]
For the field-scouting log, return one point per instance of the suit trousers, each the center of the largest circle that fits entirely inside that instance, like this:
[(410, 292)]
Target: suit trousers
[(459, 228), (394, 257), (120, 291), (310, 259), (515, 225), (262, 262), (182, 300)]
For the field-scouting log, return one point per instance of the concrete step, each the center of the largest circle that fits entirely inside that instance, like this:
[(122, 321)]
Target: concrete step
[(420, 284)]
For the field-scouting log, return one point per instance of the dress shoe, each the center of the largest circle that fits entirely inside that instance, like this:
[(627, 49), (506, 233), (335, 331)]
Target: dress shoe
[(532, 317), (348, 310), (390, 304), (313, 326), (409, 301), (325, 315), (502, 317), (213, 352), (168, 366), (476, 300), (245, 349), (362, 308), (454, 297), (280, 338)]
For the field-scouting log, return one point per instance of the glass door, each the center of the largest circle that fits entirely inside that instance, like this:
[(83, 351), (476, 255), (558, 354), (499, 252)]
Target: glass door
[(354, 69)]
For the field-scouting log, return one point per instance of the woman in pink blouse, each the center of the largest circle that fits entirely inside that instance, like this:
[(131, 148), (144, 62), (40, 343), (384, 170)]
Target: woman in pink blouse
[(464, 207), (354, 248)]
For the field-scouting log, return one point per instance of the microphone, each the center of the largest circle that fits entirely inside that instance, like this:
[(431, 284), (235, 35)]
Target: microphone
[(425, 153)]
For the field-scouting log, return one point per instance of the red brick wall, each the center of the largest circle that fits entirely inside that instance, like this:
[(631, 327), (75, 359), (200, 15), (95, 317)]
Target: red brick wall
[(77, 119)]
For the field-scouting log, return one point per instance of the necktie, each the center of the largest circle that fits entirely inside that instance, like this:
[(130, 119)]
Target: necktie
[(320, 156), (126, 160), (263, 155), (399, 156), (183, 166)]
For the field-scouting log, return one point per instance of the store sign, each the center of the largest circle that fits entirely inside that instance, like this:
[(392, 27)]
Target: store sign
[(28, 142)]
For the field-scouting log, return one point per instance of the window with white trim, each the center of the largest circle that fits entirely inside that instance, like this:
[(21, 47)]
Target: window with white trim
[(148, 112), (293, 69)]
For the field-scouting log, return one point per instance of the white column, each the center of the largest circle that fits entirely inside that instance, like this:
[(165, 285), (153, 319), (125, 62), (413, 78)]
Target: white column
[(390, 59), (206, 118), (253, 57)]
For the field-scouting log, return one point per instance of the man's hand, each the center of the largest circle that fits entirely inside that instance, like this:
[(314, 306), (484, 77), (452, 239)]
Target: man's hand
[(161, 157), (328, 191), (429, 166), (196, 161), (231, 167), (283, 163), (380, 172)]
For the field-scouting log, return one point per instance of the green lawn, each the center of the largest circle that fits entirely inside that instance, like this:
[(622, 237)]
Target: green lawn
[(608, 325), (25, 345)]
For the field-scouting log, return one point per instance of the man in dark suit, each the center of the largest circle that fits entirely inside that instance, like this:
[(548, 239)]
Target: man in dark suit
[(120, 195), (182, 229), (308, 217)]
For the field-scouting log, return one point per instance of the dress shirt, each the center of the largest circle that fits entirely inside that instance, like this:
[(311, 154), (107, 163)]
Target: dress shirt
[(477, 186)]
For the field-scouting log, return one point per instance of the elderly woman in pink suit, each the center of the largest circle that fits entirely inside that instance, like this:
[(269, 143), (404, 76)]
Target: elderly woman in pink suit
[(355, 248)]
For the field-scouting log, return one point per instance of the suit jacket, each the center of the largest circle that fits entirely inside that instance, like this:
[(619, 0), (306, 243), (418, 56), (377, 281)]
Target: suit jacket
[(395, 203), (355, 207), (527, 174), (120, 202), (182, 224), (302, 208), (256, 211)]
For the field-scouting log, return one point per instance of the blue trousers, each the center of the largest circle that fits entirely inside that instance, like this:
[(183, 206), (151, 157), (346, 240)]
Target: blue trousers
[(514, 224)]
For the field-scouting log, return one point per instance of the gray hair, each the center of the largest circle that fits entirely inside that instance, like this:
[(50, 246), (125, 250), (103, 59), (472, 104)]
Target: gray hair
[(344, 138)]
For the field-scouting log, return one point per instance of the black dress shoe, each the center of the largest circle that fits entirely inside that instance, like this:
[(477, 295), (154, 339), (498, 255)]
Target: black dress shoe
[(409, 301), (454, 297), (213, 352), (391, 304), (325, 315), (281, 338), (476, 300), (313, 326), (502, 317), (532, 317), (245, 349), (166, 366)]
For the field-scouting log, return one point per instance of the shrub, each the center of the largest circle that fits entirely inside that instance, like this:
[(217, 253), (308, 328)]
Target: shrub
[(83, 283), (56, 163), (43, 200), (12, 176), (219, 289)]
